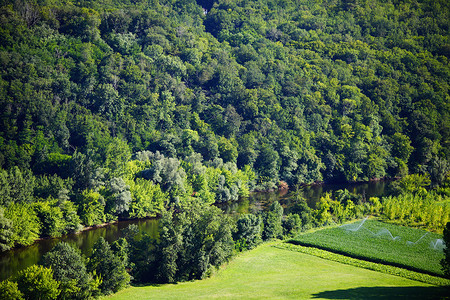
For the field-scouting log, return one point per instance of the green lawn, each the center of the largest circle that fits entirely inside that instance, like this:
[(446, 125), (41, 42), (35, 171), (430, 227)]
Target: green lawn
[(271, 273), (380, 242)]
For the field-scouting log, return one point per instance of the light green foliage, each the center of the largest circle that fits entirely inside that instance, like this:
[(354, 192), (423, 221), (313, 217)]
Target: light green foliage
[(92, 208), (322, 215), (414, 183), (36, 282), (25, 224), (431, 210), (72, 222), (50, 217), (10, 291), (147, 199), (169, 174), (118, 196), (227, 149), (117, 154)]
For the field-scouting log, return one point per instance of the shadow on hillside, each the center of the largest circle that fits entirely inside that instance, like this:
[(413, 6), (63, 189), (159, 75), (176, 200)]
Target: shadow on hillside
[(410, 293)]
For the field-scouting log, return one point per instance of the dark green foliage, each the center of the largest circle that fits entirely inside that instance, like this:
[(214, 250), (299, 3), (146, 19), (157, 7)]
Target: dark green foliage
[(37, 282), (141, 255), (53, 186), (297, 91), (200, 240), (302, 209), (171, 242), (248, 230), (17, 186), (108, 266), (445, 262), (69, 270), (273, 222), (190, 245), (291, 224), (321, 91)]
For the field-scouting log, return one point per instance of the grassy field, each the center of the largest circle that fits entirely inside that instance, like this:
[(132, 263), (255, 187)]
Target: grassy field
[(380, 242), (272, 273)]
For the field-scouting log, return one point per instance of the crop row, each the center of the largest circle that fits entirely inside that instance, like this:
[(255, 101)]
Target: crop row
[(409, 248)]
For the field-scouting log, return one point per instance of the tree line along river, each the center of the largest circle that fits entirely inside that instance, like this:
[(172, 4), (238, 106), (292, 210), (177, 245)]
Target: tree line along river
[(20, 258)]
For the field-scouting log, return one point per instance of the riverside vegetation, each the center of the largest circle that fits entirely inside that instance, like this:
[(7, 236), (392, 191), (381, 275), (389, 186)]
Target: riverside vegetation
[(130, 109), (194, 239)]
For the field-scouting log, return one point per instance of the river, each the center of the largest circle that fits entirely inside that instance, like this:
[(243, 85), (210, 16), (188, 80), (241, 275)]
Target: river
[(20, 258)]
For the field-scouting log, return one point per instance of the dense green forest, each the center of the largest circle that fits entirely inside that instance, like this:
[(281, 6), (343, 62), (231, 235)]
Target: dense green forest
[(119, 109)]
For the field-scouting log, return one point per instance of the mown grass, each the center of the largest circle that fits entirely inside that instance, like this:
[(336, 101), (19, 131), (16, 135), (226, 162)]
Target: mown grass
[(379, 267), (380, 242), (272, 273)]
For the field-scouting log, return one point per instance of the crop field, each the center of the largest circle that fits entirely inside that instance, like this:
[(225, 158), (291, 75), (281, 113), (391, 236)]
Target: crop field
[(372, 240), (268, 272)]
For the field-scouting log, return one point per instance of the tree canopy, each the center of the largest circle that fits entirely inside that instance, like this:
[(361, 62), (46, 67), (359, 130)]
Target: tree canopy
[(119, 109)]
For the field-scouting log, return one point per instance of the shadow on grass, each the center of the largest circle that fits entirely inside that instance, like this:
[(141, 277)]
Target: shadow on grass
[(410, 293), (146, 284)]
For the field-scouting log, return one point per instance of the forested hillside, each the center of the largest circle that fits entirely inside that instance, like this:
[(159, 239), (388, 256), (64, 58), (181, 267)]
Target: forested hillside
[(117, 108)]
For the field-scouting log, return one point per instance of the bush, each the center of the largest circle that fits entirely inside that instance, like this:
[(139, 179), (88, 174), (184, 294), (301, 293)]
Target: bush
[(248, 231), (25, 224), (36, 282), (10, 291), (302, 209), (108, 266), (291, 224), (272, 222), (68, 269)]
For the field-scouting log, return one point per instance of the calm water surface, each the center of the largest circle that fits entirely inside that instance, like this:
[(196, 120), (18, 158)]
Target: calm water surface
[(17, 259)]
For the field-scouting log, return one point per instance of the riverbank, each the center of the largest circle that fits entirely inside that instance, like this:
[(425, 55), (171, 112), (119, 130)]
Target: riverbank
[(19, 258)]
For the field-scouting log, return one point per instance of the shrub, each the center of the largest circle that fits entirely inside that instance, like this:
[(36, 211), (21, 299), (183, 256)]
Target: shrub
[(10, 291), (36, 282), (291, 224), (272, 222), (108, 266), (248, 230), (68, 269)]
